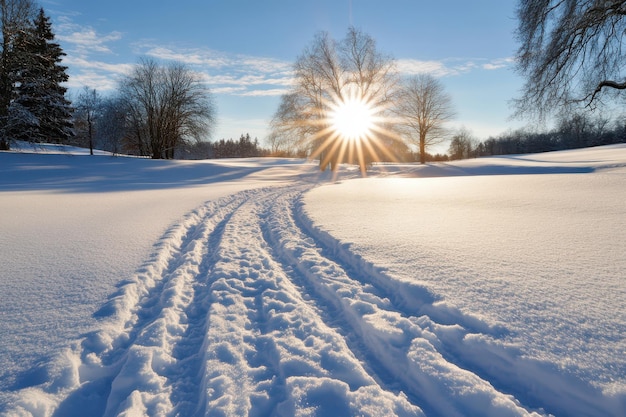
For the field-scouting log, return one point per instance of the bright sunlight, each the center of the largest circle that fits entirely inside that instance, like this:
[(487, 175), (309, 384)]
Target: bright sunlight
[(352, 119), (354, 131)]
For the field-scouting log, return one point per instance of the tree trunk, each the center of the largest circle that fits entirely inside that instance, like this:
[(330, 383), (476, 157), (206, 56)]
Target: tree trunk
[(90, 135)]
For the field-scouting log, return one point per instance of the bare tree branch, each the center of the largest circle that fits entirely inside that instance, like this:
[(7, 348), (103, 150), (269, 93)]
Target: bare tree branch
[(570, 51)]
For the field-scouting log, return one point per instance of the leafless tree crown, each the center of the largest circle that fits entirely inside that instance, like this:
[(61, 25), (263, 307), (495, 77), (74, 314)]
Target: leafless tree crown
[(423, 109), (166, 105), (571, 52), (328, 72)]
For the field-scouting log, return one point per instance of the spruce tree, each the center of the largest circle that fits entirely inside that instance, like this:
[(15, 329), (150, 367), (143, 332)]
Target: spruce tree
[(40, 111), (16, 16)]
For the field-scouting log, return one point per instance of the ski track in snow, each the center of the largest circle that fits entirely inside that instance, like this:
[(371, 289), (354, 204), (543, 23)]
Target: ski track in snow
[(245, 308)]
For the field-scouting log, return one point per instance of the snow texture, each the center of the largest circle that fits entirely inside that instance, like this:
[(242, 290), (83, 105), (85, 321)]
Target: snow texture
[(261, 287)]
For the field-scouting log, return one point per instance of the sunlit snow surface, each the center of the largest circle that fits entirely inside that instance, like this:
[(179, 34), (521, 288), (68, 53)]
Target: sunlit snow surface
[(490, 287)]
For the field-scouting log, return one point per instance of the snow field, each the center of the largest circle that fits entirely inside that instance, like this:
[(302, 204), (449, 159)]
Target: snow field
[(286, 300), (211, 325)]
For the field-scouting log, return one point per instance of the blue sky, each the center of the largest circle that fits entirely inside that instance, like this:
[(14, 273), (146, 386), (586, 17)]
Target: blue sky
[(245, 49)]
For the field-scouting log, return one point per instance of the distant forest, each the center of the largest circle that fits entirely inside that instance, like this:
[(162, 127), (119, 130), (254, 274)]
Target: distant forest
[(579, 130), (245, 147)]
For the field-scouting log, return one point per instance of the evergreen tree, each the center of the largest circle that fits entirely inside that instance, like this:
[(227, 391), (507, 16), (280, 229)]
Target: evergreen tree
[(16, 16), (39, 91)]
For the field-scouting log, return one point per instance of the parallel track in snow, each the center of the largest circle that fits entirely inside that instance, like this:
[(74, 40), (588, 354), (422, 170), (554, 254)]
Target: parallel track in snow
[(246, 309)]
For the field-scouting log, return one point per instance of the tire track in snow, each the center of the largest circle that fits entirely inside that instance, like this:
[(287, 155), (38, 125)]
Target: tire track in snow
[(241, 311), (186, 352), (212, 325), (468, 342), (152, 313), (141, 322), (403, 350), (267, 352)]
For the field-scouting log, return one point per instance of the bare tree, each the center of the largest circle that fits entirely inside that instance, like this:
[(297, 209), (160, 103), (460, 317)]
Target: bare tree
[(15, 17), (571, 52), (166, 105), (88, 106), (423, 109), (111, 126), (327, 74), (462, 145), (282, 144), (290, 125)]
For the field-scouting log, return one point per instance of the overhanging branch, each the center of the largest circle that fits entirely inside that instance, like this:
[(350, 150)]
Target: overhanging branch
[(607, 83)]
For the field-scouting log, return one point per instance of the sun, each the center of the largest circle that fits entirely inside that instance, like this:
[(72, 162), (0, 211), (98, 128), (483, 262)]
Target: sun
[(352, 119), (353, 130)]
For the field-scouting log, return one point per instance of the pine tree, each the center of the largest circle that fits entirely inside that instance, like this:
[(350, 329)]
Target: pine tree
[(16, 16), (39, 93)]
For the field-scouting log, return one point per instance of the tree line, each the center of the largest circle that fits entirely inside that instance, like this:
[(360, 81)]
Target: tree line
[(166, 111), (579, 130), (244, 147), (100, 123)]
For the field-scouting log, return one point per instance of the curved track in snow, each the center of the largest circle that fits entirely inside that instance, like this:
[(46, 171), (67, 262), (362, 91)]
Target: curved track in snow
[(245, 308)]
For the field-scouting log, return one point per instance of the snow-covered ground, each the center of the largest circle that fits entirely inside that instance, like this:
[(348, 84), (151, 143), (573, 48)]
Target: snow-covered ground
[(491, 287)]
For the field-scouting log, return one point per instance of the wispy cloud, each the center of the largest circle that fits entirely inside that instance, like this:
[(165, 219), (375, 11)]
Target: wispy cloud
[(87, 40), (229, 90), (91, 57), (414, 67), (94, 60), (232, 74), (101, 66), (451, 66), (265, 93), (499, 63), (189, 57), (92, 79), (84, 40), (96, 74)]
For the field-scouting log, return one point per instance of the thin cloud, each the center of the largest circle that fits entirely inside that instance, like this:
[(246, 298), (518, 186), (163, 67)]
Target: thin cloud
[(451, 66), (499, 63), (435, 68), (104, 67), (189, 57), (88, 40), (265, 64), (101, 82), (84, 40), (231, 74), (214, 59), (265, 93), (228, 90), (224, 73), (95, 74)]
